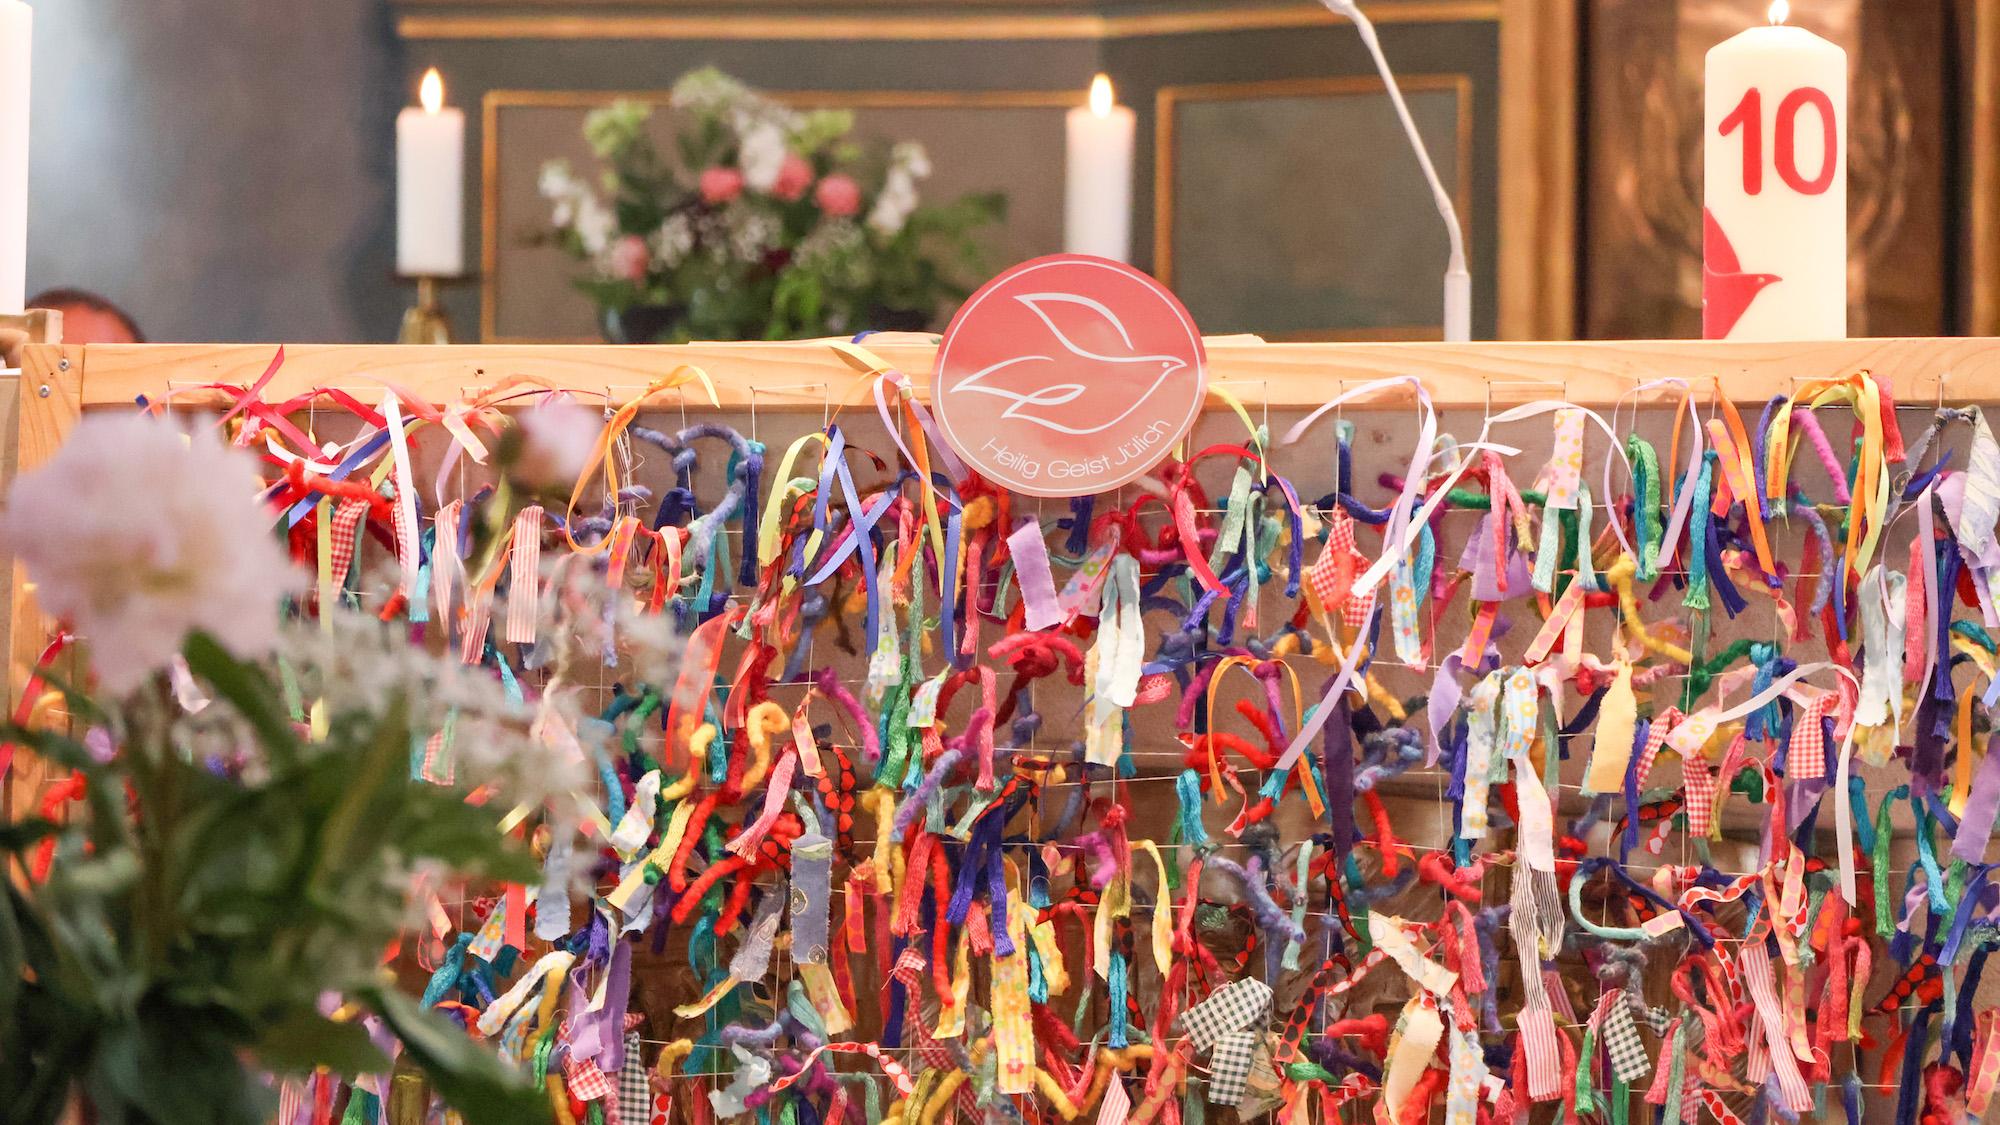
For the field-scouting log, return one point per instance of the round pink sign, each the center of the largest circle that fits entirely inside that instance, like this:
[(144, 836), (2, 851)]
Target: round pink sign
[(1067, 376)]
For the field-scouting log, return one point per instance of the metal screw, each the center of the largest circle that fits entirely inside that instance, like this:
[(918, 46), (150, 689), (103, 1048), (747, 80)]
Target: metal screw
[(63, 364), (45, 390)]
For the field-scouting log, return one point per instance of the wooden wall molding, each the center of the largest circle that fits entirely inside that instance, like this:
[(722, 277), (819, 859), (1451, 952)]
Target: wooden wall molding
[(1982, 313), (1538, 169), (435, 21)]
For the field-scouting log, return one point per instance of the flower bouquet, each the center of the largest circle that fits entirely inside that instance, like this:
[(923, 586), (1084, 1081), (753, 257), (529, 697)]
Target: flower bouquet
[(766, 223), (262, 803)]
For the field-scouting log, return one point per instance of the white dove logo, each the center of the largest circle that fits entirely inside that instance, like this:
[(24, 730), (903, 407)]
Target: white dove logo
[(1126, 369)]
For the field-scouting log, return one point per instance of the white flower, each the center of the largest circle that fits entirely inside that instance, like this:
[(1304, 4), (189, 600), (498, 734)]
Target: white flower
[(139, 535), (831, 239), (558, 439), (556, 180), (761, 155), (751, 233), (892, 207), (652, 649), (561, 188), (595, 224), (674, 240), (910, 156)]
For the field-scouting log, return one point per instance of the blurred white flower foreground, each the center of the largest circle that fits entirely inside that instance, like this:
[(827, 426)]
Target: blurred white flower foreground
[(138, 534)]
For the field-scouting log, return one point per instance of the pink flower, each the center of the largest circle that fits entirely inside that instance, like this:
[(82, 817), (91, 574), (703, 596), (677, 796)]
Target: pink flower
[(839, 196), (719, 185), (558, 439), (794, 177), (629, 258)]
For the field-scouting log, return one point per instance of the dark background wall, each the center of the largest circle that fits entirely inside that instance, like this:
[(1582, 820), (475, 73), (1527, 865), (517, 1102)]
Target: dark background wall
[(221, 167), (225, 168)]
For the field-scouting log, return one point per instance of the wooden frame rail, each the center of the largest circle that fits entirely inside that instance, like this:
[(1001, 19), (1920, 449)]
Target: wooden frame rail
[(60, 382), (1287, 375)]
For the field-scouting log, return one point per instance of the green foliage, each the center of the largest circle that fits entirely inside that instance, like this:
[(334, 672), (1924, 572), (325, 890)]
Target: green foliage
[(198, 911)]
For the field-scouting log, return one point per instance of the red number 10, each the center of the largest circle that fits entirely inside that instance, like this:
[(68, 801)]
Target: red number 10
[(1749, 117)]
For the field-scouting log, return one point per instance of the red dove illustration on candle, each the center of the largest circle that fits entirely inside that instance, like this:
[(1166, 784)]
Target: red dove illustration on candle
[(1726, 290), (1098, 344)]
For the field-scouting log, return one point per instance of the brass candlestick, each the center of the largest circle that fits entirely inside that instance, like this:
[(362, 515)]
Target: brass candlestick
[(425, 322)]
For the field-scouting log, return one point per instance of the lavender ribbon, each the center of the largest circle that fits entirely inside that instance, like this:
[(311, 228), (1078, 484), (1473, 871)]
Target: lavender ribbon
[(1982, 805)]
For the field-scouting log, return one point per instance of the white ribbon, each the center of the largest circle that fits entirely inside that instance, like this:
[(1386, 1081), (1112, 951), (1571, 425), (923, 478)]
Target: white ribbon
[(406, 493), (1115, 661), (1684, 503), (1882, 604)]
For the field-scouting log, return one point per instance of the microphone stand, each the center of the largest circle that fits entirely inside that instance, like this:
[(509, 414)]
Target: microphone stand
[(1457, 279)]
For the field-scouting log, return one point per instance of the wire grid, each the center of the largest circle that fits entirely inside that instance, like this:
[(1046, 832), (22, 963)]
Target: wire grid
[(1694, 625)]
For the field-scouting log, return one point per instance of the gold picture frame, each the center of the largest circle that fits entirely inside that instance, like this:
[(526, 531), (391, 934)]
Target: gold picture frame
[(1169, 99), (497, 101)]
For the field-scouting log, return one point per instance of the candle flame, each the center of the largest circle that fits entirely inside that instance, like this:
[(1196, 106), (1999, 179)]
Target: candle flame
[(1100, 95), (431, 92), (1781, 10)]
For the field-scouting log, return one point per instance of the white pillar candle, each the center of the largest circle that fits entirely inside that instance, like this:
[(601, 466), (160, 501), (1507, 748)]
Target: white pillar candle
[(430, 186), (1775, 146), (16, 26), (1097, 197)]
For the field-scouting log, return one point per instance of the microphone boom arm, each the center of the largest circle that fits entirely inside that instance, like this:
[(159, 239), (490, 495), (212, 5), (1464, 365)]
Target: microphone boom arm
[(1457, 278)]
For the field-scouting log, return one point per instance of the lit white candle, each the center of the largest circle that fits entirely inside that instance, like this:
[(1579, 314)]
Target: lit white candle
[(430, 186), (16, 26), (1775, 146), (1097, 198)]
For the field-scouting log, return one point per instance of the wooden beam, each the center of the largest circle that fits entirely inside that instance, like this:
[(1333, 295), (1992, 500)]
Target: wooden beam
[(49, 405), (507, 22), (41, 326), (1983, 198), (1539, 181), (804, 375)]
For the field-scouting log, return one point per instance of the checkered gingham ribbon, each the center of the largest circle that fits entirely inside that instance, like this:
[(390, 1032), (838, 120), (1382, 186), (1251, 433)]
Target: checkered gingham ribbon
[(585, 1081), (440, 766), (1330, 579), (1229, 1066), (1621, 1038), (1805, 755), (346, 522), (635, 1094), (935, 1053), (1656, 737), (1238, 1006), (1701, 785)]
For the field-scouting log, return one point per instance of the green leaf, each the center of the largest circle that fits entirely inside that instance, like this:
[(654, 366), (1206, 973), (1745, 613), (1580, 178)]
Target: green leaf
[(13, 963), (66, 752), (175, 1066), (21, 835), (469, 1077), (103, 877), (248, 689), (443, 827), (53, 1049), (305, 1040)]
